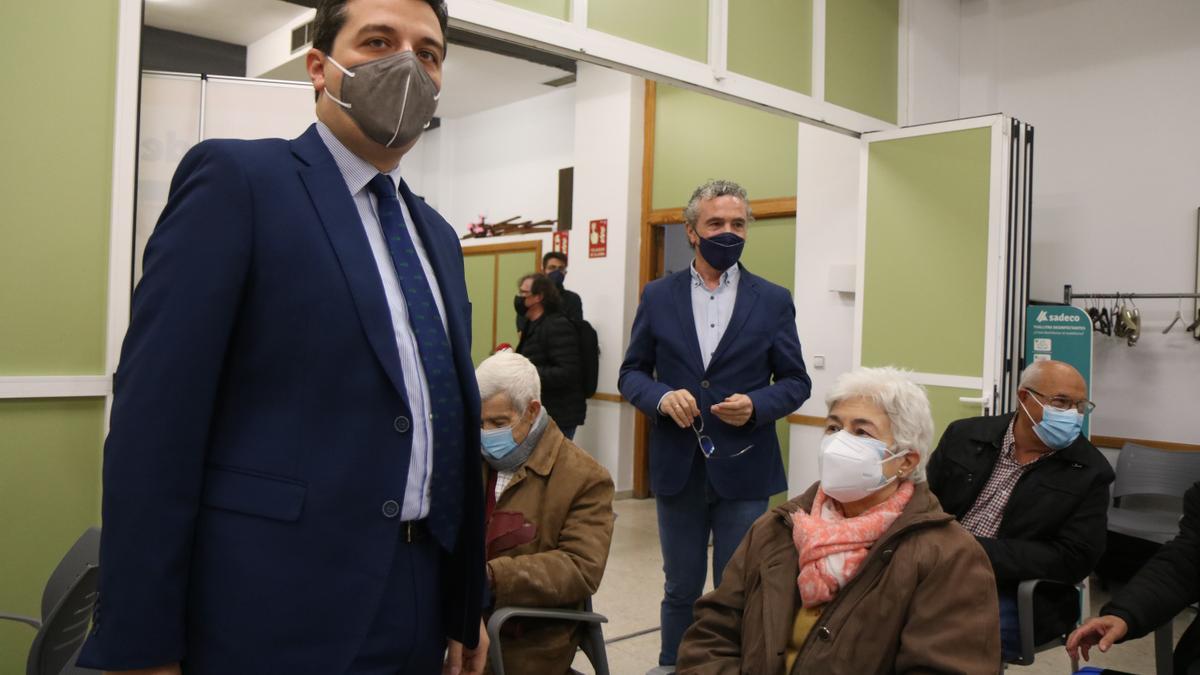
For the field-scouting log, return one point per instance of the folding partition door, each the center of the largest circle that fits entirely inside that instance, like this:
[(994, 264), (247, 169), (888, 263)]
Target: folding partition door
[(932, 259)]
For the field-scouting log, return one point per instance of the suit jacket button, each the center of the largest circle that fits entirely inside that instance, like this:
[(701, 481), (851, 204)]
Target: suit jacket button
[(824, 633), (401, 424), (391, 509), (704, 384)]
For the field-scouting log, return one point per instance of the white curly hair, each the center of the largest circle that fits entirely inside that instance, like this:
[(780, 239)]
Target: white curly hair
[(903, 400)]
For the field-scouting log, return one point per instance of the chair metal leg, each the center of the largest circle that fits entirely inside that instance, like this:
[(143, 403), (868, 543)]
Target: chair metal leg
[(1163, 639)]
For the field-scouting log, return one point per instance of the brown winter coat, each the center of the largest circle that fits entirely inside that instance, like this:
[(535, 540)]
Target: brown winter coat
[(924, 601), (567, 497)]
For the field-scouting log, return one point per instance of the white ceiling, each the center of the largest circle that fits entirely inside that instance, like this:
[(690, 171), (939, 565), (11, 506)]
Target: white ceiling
[(473, 80), (238, 21)]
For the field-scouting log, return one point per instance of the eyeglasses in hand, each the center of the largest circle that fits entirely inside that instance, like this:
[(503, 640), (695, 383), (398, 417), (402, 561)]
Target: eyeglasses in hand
[(706, 443)]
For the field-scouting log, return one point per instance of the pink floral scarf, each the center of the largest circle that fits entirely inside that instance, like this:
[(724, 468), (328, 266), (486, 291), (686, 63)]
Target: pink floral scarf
[(832, 547)]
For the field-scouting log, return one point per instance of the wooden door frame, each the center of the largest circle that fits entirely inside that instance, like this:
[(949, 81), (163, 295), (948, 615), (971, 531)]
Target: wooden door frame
[(650, 264), (495, 250)]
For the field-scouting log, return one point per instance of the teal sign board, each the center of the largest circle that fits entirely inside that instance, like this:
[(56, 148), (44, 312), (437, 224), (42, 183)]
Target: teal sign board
[(1062, 333)]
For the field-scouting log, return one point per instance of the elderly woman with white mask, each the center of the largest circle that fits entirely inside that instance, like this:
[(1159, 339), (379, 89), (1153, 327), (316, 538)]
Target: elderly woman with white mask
[(864, 572), (549, 516)]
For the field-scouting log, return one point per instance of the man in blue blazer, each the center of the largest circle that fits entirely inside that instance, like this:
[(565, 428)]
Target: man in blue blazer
[(291, 478), (714, 360)]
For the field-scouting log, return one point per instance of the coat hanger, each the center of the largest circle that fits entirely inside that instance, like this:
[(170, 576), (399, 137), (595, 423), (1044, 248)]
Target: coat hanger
[(1134, 323), (1194, 325), (1177, 319)]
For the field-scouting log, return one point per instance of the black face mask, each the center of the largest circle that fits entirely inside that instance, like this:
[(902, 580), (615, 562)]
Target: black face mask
[(721, 251), (519, 305)]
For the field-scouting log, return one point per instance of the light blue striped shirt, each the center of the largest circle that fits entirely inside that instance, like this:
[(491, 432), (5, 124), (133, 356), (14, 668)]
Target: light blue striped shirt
[(358, 172), (711, 310)]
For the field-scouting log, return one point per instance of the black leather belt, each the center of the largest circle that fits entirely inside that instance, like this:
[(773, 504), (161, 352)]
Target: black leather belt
[(413, 530)]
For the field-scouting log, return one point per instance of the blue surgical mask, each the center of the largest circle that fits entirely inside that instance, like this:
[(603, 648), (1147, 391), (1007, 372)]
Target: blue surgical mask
[(1058, 428), (558, 277), (497, 443), (722, 251)]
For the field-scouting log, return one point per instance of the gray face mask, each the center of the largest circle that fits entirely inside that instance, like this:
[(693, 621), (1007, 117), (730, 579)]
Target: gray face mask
[(391, 99)]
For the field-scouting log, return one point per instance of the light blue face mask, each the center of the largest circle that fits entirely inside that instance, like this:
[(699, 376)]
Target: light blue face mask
[(1058, 428), (497, 443)]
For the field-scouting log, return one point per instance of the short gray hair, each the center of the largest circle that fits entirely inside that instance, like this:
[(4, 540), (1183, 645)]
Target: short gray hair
[(904, 401), (711, 190), (512, 374)]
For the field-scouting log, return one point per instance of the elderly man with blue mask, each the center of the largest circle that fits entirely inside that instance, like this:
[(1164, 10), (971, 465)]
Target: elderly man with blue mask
[(1034, 492), (548, 513)]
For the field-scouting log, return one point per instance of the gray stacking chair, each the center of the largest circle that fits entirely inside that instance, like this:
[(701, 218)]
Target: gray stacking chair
[(1149, 471), (1025, 592), (593, 637), (1144, 471), (67, 603)]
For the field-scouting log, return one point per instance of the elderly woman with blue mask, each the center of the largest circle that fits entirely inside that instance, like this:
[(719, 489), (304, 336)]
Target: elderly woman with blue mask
[(549, 516), (864, 572)]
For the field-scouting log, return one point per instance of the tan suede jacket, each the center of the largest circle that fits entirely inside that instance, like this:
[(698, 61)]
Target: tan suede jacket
[(924, 601), (567, 497)]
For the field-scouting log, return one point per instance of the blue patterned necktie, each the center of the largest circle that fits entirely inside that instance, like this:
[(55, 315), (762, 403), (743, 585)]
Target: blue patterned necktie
[(437, 359)]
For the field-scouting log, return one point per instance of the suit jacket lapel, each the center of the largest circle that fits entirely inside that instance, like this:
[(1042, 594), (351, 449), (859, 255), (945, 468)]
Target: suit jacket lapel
[(682, 293), (747, 295), (338, 214)]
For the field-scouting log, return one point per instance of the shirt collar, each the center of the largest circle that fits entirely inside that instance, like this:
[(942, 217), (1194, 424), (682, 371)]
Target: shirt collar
[(1009, 448), (728, 278), (355, 170)]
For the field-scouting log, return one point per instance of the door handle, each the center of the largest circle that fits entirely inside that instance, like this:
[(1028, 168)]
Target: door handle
[(980, 400)]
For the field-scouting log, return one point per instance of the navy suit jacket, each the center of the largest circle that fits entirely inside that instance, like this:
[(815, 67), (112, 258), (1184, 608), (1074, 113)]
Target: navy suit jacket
[(255, 431), (759, 355)]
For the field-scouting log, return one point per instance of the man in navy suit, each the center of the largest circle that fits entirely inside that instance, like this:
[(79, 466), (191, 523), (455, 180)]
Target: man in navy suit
[(714, 360), (290, 479)]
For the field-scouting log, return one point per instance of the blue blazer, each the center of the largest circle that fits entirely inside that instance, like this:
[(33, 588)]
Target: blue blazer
[(255, 431), (759, 356)]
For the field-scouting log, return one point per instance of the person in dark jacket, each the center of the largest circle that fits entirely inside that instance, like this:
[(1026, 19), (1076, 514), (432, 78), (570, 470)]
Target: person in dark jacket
[(551, 342), (554, 266), (1167, 584), (1034, 492)]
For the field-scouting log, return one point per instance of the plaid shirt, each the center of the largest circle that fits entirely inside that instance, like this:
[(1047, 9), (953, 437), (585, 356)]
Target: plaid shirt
[(983, 518)]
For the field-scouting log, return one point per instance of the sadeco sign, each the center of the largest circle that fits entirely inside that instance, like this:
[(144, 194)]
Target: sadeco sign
[(1061, 333)]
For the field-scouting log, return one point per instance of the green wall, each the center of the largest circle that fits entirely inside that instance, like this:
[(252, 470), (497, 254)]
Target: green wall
[(559, 9), (771, 40), (677, 26), (698, 137), (54, 233), (861, 56), (54, 248), (771, 254), (926, 252), (49, 494)]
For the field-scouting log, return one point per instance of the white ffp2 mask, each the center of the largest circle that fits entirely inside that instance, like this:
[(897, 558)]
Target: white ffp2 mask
[(852, 466)]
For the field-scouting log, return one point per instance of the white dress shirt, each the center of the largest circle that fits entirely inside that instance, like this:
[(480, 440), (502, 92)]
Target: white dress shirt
[(358, 173)]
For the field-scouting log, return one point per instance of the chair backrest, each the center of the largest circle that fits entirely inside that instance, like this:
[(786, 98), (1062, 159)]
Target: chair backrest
[(67, 603), (1150, 471), (85, 551), (64, 630)]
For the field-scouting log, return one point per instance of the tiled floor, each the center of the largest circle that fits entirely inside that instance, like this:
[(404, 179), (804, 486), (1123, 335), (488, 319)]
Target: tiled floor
[(632, 589)]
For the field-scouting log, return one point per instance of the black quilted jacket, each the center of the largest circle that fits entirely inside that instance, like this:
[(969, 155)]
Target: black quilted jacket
[(552, 344)]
